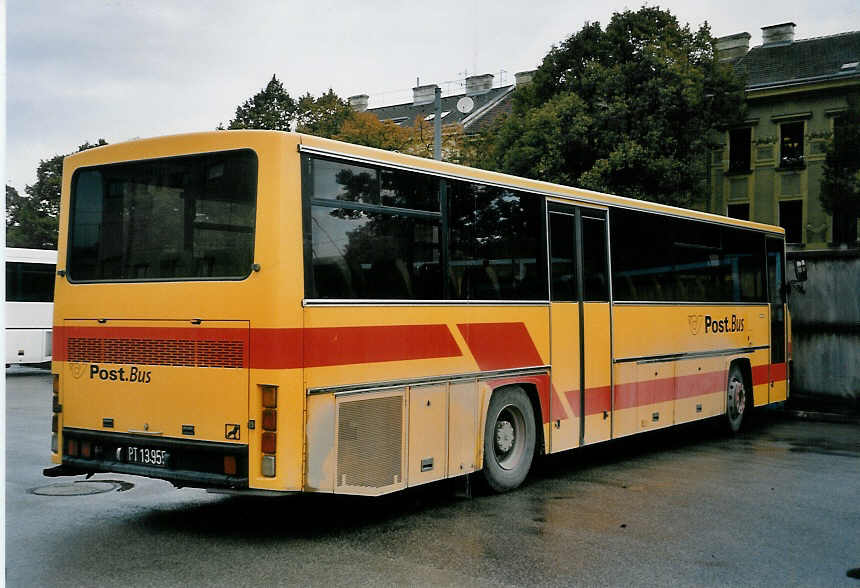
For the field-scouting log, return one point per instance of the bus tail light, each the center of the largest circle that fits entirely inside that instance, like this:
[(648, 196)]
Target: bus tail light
[(269, 466), (269, 442), (55, 423), (270, 418), (269, 439), (270, 396), (72, 447), (230, 465), (86, 449)]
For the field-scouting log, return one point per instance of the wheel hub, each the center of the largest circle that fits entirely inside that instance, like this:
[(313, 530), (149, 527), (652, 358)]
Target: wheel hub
[(504, 436), (737, 398)]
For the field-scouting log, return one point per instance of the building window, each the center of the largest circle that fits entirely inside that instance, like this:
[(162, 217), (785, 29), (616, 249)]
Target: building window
[(740, 141), (791, 219), (738, 211), (791, 144)]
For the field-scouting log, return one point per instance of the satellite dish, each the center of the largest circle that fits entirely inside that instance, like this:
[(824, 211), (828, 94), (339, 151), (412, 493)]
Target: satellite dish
[(465, 105)]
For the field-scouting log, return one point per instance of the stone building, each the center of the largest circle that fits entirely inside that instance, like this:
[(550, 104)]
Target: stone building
[(475, 109), (769, 168)]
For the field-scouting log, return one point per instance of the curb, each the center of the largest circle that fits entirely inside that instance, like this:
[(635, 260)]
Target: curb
[(821, 417)]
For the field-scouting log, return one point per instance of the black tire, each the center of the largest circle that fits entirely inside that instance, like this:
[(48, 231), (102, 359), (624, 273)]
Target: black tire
[(738, 399), (509, 439)]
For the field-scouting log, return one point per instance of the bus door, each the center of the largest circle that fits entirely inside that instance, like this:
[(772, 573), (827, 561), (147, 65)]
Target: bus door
[(776, 299), (580, 409)]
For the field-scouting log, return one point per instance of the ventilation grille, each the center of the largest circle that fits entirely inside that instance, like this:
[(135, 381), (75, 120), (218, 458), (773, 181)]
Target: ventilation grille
[(370, 442), (173, 352)]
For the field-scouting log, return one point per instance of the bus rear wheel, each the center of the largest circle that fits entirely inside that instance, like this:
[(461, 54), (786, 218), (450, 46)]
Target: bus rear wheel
[(509, 439), (737, 399)]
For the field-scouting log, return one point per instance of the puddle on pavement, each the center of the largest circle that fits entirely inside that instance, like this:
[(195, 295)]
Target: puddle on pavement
[(82, 488), (826, 447)]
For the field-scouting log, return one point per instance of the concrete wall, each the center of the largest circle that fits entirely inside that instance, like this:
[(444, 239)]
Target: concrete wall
[(826, 328)]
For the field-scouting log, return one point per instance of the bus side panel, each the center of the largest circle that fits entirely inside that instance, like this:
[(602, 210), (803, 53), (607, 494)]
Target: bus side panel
[(598, 370), (700, 388), (761, 371), (565, 400), (443, 431), (359, 357), (656, 385), (319, 476), (464, 428), (27, 345)]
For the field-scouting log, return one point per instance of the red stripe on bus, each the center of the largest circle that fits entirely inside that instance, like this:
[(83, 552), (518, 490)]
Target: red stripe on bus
[(291, 348), (350, 345), (635, 394), (777, 372), (137, 337), (498, 346), (276, 348), (328, 346), (760, 374), (764, 374), (598, 400)]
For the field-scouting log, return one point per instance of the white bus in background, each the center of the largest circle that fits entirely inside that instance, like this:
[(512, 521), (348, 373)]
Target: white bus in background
[(29, 305)]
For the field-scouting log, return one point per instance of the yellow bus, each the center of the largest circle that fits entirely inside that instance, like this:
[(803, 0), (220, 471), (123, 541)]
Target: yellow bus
[(273, 312)]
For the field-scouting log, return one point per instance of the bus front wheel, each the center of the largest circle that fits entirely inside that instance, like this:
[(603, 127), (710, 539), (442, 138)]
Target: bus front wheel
[(509, 439), (737, 399)]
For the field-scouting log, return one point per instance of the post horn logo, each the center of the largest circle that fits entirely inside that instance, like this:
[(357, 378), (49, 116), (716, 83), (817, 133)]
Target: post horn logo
[(695, 321), (78, 370)]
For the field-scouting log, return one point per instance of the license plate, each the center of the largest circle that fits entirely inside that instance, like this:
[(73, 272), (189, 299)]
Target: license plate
[(149, 457)]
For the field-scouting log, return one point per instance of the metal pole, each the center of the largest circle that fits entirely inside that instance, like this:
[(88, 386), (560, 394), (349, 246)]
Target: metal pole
[(437, 125)]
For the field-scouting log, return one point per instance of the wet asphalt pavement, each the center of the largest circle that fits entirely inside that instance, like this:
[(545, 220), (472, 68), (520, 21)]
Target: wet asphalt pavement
[(778, 505)]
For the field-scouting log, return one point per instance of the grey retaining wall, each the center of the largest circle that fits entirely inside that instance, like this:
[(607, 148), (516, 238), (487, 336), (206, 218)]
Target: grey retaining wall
[(825, 319)]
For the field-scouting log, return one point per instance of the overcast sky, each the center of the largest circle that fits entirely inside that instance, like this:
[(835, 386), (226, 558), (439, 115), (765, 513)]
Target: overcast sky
[(117, 69)]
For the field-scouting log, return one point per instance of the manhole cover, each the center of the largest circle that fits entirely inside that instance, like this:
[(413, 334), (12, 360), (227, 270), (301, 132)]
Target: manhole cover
[(76, 488)]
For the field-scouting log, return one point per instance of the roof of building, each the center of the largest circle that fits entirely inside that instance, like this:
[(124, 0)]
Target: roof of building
[(484, 106), (802, 61)]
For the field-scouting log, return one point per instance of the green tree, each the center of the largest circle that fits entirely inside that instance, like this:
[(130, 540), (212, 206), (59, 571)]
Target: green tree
[(840, 185), (271, 108), (323, 116), (33, 220), (628, 109)]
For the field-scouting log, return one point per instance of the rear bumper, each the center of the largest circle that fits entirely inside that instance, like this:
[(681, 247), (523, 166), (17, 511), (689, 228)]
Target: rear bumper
[(192, 463)]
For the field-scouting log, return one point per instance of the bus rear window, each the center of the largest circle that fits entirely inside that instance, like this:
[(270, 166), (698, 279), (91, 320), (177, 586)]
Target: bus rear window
[(177, 218)]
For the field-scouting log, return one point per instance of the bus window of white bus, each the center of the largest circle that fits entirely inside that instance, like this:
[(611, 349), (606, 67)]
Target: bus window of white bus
[(29, 305)]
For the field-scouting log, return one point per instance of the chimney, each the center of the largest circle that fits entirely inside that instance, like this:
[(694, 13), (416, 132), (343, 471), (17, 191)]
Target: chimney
[(424, 94), (521, 78), (778, 34), (733, 46), (359, 103), (476, 85)]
